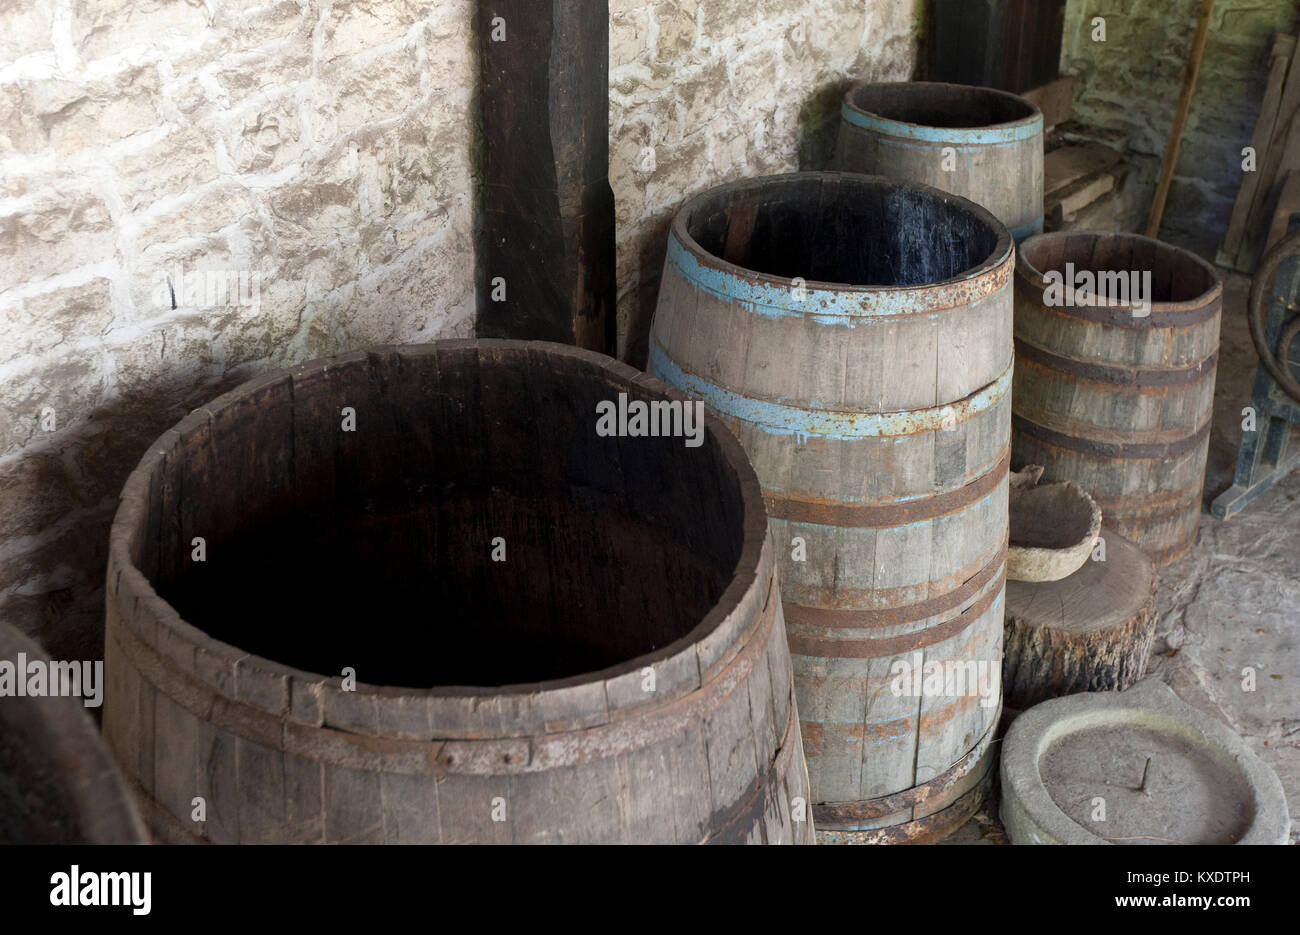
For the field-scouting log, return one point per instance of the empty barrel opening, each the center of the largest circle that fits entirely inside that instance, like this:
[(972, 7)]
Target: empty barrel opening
[(473, 530), (1116, 264), (845, 229), (942, 105)]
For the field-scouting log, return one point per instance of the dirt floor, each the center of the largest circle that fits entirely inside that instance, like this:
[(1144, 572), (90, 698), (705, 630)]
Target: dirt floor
[(1234, 600)]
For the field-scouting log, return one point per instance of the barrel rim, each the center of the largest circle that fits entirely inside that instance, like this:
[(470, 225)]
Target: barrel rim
[(1032, 277), (747, 578), (88, 778), (963, 289), (1008, 131)]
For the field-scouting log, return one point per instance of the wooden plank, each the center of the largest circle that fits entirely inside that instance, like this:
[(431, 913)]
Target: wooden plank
[(1288, 203), (1261, 208), (1284, 47), (966, 41), (548, 210), (1281, 161), (1055, 99), (1175, 141), (1006, 44), (1077, 196), (1068, 164)]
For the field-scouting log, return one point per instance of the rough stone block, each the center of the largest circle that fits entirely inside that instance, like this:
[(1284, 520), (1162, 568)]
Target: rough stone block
[(214, 209), (36, 324), (353, 26), (50, 398), (59, 232), (100, 29), (25, 29), (180, 161), (349, 96)]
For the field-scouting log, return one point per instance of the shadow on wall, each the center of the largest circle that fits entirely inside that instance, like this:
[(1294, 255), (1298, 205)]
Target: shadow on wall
[(66, 495), (645, 294), (819, 126), (819, 120)]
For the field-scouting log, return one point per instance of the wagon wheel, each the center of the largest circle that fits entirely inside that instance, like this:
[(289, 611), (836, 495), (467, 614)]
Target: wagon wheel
[(1274, 361)]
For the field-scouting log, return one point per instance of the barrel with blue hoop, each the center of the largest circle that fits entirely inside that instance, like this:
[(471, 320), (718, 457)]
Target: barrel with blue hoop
[(980, 143), (856, 335)]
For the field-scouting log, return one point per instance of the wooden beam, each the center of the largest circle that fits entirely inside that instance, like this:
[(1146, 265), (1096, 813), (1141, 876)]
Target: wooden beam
[(1055, 99), (1175, 141), (1067, 164), (1075, 197), (1271, 169), (1288, 203), (547, 235), (1283, 48)]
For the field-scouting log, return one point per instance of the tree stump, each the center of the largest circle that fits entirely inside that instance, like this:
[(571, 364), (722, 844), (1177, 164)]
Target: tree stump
[(1091, 631)]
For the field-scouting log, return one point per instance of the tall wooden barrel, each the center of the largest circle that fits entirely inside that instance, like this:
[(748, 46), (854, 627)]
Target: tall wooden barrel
[(855, 334), (57, 783), (1114, 396), (982, 144), (556, 634)]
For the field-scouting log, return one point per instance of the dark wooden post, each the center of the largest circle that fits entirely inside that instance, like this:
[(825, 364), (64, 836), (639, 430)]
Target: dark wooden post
[(547, 267)]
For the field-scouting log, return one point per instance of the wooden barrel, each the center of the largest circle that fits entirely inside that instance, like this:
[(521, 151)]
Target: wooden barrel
[(855, 333), (57, 783), (1110, 394), (557, 634), (982, 144)]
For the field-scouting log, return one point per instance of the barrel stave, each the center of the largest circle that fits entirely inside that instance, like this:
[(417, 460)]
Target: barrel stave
[(282, 755), (982, 144), (1118, 397), (877, 417)]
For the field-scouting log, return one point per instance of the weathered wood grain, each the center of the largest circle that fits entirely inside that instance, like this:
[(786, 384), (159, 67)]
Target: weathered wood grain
[(1288, 204), (625, 556), (1055, 99), (982, 144), (1284, 47), (1282, 141), (1012, 44), (857, 341), (1113, 399), (1089, 632), (1067, 201), (57, 783), (547, 234), (1066, 165)]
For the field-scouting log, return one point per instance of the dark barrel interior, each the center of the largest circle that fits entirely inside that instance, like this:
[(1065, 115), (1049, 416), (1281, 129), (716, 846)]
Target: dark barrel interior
[(1176, 274), (941, 105), (844, 229), (373, 549)]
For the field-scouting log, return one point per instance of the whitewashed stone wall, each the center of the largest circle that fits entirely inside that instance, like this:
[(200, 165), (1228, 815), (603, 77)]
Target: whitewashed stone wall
[(1131, 81), (154, 151), (320, 149), (706, 91)]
